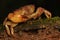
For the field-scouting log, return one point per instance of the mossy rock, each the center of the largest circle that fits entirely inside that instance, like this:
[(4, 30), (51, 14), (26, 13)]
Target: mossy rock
[(36, 24)]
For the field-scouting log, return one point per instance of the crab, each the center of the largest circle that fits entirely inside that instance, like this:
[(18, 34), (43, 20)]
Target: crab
[(23, 14)]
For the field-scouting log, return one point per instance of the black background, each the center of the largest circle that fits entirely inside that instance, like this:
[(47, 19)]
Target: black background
[(7, 6)]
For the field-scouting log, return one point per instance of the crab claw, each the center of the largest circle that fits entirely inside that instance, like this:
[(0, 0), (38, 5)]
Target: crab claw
[(38, 13), (41, 10), (47, 13)]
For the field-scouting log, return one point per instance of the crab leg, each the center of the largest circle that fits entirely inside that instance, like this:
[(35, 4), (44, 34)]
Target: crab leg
[(4, 21), (6, 26), (12, 31), (12, 28), (7, 29)]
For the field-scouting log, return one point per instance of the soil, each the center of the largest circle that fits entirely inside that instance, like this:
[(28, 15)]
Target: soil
[(48, 33)]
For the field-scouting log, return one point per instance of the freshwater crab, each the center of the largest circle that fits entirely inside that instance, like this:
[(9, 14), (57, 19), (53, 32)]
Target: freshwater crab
[(22, 15)]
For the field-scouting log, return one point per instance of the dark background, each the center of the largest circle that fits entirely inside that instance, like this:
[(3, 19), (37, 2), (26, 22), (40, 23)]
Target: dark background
[(7, 6)]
